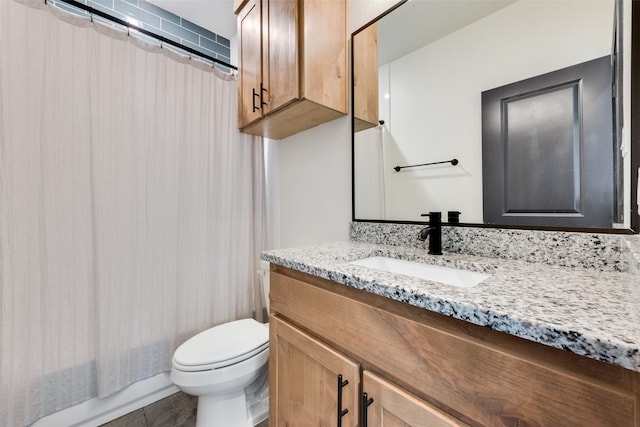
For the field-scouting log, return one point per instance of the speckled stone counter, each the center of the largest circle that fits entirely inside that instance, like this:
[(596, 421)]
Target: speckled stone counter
[(594, 312)]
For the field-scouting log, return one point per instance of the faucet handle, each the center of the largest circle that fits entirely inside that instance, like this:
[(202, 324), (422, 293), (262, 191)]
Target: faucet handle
[(434, 217), (453, 216)]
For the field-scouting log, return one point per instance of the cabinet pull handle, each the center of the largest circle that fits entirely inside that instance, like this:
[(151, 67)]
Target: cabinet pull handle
[(259, 95), (366, 402), (341, 412), (262, 90)]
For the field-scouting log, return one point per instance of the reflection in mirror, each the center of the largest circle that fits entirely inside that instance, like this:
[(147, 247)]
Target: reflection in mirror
[(427, 94)]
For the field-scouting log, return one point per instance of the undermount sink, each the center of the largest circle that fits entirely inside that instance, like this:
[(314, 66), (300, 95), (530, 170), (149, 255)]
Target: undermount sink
[(435, 273)]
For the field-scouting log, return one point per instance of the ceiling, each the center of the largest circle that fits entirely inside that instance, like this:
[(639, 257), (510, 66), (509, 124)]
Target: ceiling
[(214, 15), (420, 22)]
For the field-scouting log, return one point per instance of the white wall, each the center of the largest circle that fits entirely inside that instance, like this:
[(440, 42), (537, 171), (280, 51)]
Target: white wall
[(314, 168), (436, 110), (315, 184)]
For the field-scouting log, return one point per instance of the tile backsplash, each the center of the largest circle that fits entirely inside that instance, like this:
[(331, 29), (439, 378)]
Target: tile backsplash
[(605, 252)]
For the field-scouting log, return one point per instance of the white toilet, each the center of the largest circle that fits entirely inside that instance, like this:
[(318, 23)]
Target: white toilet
[(226, 367)]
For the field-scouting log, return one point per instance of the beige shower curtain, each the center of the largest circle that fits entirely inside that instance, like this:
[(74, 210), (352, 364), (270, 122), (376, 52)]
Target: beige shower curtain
[(131, 209)]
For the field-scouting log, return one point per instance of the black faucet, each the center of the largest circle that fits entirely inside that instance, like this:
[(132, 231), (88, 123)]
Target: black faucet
[(434, 232)]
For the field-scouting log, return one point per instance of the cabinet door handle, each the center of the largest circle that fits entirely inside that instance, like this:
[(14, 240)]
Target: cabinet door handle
[(366, 402), (259, 95), (262, 91), (341, 412)]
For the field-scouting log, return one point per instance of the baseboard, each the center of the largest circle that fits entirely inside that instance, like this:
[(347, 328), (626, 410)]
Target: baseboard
[(96, 411)]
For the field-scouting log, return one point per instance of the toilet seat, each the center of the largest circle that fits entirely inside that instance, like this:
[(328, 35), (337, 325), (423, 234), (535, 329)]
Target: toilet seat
[(222, 346)]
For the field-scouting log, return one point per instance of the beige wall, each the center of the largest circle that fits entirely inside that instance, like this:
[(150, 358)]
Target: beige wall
[(313, 196)]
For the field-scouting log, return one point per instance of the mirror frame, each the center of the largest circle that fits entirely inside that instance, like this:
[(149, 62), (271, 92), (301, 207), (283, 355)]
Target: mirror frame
[(634, 83)]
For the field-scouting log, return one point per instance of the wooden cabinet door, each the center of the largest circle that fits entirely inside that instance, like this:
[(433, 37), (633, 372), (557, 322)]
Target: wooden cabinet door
[(280, 44), (324, 55), (365, 78), (304, 380), (393, 407), (250, 68)]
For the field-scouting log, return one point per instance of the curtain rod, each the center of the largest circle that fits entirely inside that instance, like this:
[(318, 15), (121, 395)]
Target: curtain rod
[(162, 39)]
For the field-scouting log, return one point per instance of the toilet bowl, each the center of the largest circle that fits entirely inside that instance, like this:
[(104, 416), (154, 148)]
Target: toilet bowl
[(226, 367)]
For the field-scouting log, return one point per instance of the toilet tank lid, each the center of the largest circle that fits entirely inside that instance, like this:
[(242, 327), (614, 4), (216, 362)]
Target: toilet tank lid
[(227, 342)]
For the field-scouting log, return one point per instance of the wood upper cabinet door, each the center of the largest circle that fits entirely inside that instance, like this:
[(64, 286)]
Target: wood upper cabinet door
[(250, 62), (391, 406), (365, 78), (324, 54), (304, 380), (281, 67)]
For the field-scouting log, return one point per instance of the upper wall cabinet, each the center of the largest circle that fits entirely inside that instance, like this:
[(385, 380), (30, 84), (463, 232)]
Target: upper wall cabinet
[(292, 65)]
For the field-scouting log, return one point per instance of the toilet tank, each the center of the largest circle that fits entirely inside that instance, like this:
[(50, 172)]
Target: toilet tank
[(264, 278)]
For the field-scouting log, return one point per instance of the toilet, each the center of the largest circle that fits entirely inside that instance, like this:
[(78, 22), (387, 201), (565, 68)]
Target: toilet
[(226, 367)]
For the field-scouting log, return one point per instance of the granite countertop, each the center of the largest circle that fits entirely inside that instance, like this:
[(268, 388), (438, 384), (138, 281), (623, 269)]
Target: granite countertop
[(586, 311)]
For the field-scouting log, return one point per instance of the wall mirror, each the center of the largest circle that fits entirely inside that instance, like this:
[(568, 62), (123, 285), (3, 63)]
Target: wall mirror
[(419, 72)]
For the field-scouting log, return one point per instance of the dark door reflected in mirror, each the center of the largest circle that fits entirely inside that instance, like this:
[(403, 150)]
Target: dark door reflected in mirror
[(419, 75)]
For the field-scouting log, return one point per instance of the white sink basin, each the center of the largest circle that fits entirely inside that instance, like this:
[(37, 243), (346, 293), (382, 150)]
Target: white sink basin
[(435, 273)]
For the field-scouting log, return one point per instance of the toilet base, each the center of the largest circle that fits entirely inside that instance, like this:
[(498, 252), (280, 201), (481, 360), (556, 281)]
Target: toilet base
[(244, 408), (228, 411), (258, 399)]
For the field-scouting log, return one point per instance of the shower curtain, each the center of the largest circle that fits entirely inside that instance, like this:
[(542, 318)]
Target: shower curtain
[(131, 209)]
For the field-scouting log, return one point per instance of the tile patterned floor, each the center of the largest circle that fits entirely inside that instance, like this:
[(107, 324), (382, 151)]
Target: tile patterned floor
[(177, 410)]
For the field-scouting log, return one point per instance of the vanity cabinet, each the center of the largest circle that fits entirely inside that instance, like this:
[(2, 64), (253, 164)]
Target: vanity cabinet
[(317, 385), (365, 78), (292, 72), (419, 365)]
